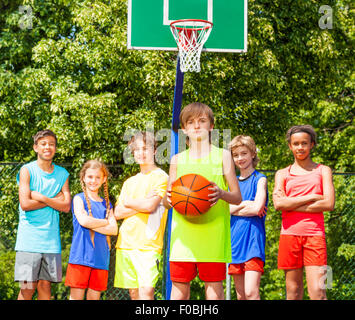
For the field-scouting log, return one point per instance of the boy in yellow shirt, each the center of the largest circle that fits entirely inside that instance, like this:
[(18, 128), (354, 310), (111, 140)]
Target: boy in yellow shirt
[(140, 240)]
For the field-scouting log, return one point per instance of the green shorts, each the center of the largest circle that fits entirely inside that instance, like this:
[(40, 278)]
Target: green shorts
[(136, 268)]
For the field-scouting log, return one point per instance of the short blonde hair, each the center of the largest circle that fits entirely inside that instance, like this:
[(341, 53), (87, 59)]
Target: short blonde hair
[(195, 109), (245, 141)]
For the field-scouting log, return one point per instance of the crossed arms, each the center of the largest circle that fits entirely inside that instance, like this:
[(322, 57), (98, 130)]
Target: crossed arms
[(130, 206), (248, 208), (104, 226), (306, 203), (33, 200)]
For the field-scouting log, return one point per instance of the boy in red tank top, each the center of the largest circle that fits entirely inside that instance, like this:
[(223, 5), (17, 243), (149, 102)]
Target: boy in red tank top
[(302, 192)]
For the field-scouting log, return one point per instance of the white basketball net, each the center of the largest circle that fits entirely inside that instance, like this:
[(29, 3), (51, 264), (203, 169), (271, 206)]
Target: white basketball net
[(190, 37)]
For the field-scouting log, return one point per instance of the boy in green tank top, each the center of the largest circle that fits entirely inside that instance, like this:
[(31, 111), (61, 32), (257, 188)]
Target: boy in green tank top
[(202, 244)]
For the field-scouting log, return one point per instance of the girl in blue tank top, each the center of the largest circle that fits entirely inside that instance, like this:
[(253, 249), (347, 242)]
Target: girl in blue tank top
[(248, 221), (93, 223)]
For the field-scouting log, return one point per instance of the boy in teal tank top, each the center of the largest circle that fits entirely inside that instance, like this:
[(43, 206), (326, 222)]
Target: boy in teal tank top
[(202, 244), (43, 193)]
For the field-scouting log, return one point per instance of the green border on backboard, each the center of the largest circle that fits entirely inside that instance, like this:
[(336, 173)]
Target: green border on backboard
[(149, 23)]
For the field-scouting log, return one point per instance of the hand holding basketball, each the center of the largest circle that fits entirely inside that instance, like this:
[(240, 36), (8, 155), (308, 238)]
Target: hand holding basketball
[(216, 193), (189, 195)]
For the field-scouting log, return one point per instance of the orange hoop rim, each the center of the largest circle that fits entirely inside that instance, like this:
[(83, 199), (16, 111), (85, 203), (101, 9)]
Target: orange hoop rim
[(208, 25)]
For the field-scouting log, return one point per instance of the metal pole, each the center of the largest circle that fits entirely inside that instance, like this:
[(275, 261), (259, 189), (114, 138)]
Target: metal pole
[(228, 284), (179, 82)]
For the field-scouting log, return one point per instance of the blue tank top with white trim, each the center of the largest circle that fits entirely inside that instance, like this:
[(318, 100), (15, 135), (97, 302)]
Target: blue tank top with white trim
[(248, 233)]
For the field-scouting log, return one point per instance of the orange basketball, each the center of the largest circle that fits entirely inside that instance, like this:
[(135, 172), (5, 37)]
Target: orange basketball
[(189, 195)]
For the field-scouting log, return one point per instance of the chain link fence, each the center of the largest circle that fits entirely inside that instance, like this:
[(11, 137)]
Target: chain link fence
[(339, 232)]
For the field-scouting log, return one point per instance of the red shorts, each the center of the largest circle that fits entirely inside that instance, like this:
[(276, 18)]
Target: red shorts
[(83, 277), (207, 271), (254, 264), (298, 251)]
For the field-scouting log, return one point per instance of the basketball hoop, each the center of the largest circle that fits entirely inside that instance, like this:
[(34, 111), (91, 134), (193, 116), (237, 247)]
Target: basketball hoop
[(190, 36)]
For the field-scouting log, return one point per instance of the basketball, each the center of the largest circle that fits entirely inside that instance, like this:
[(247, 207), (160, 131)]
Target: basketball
[(189, 195)]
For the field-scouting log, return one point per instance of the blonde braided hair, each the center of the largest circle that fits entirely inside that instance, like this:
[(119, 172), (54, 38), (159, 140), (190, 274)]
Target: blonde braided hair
[(96, 164)]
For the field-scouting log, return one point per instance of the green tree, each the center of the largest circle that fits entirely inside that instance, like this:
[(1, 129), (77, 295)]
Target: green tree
[(73, 73)]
